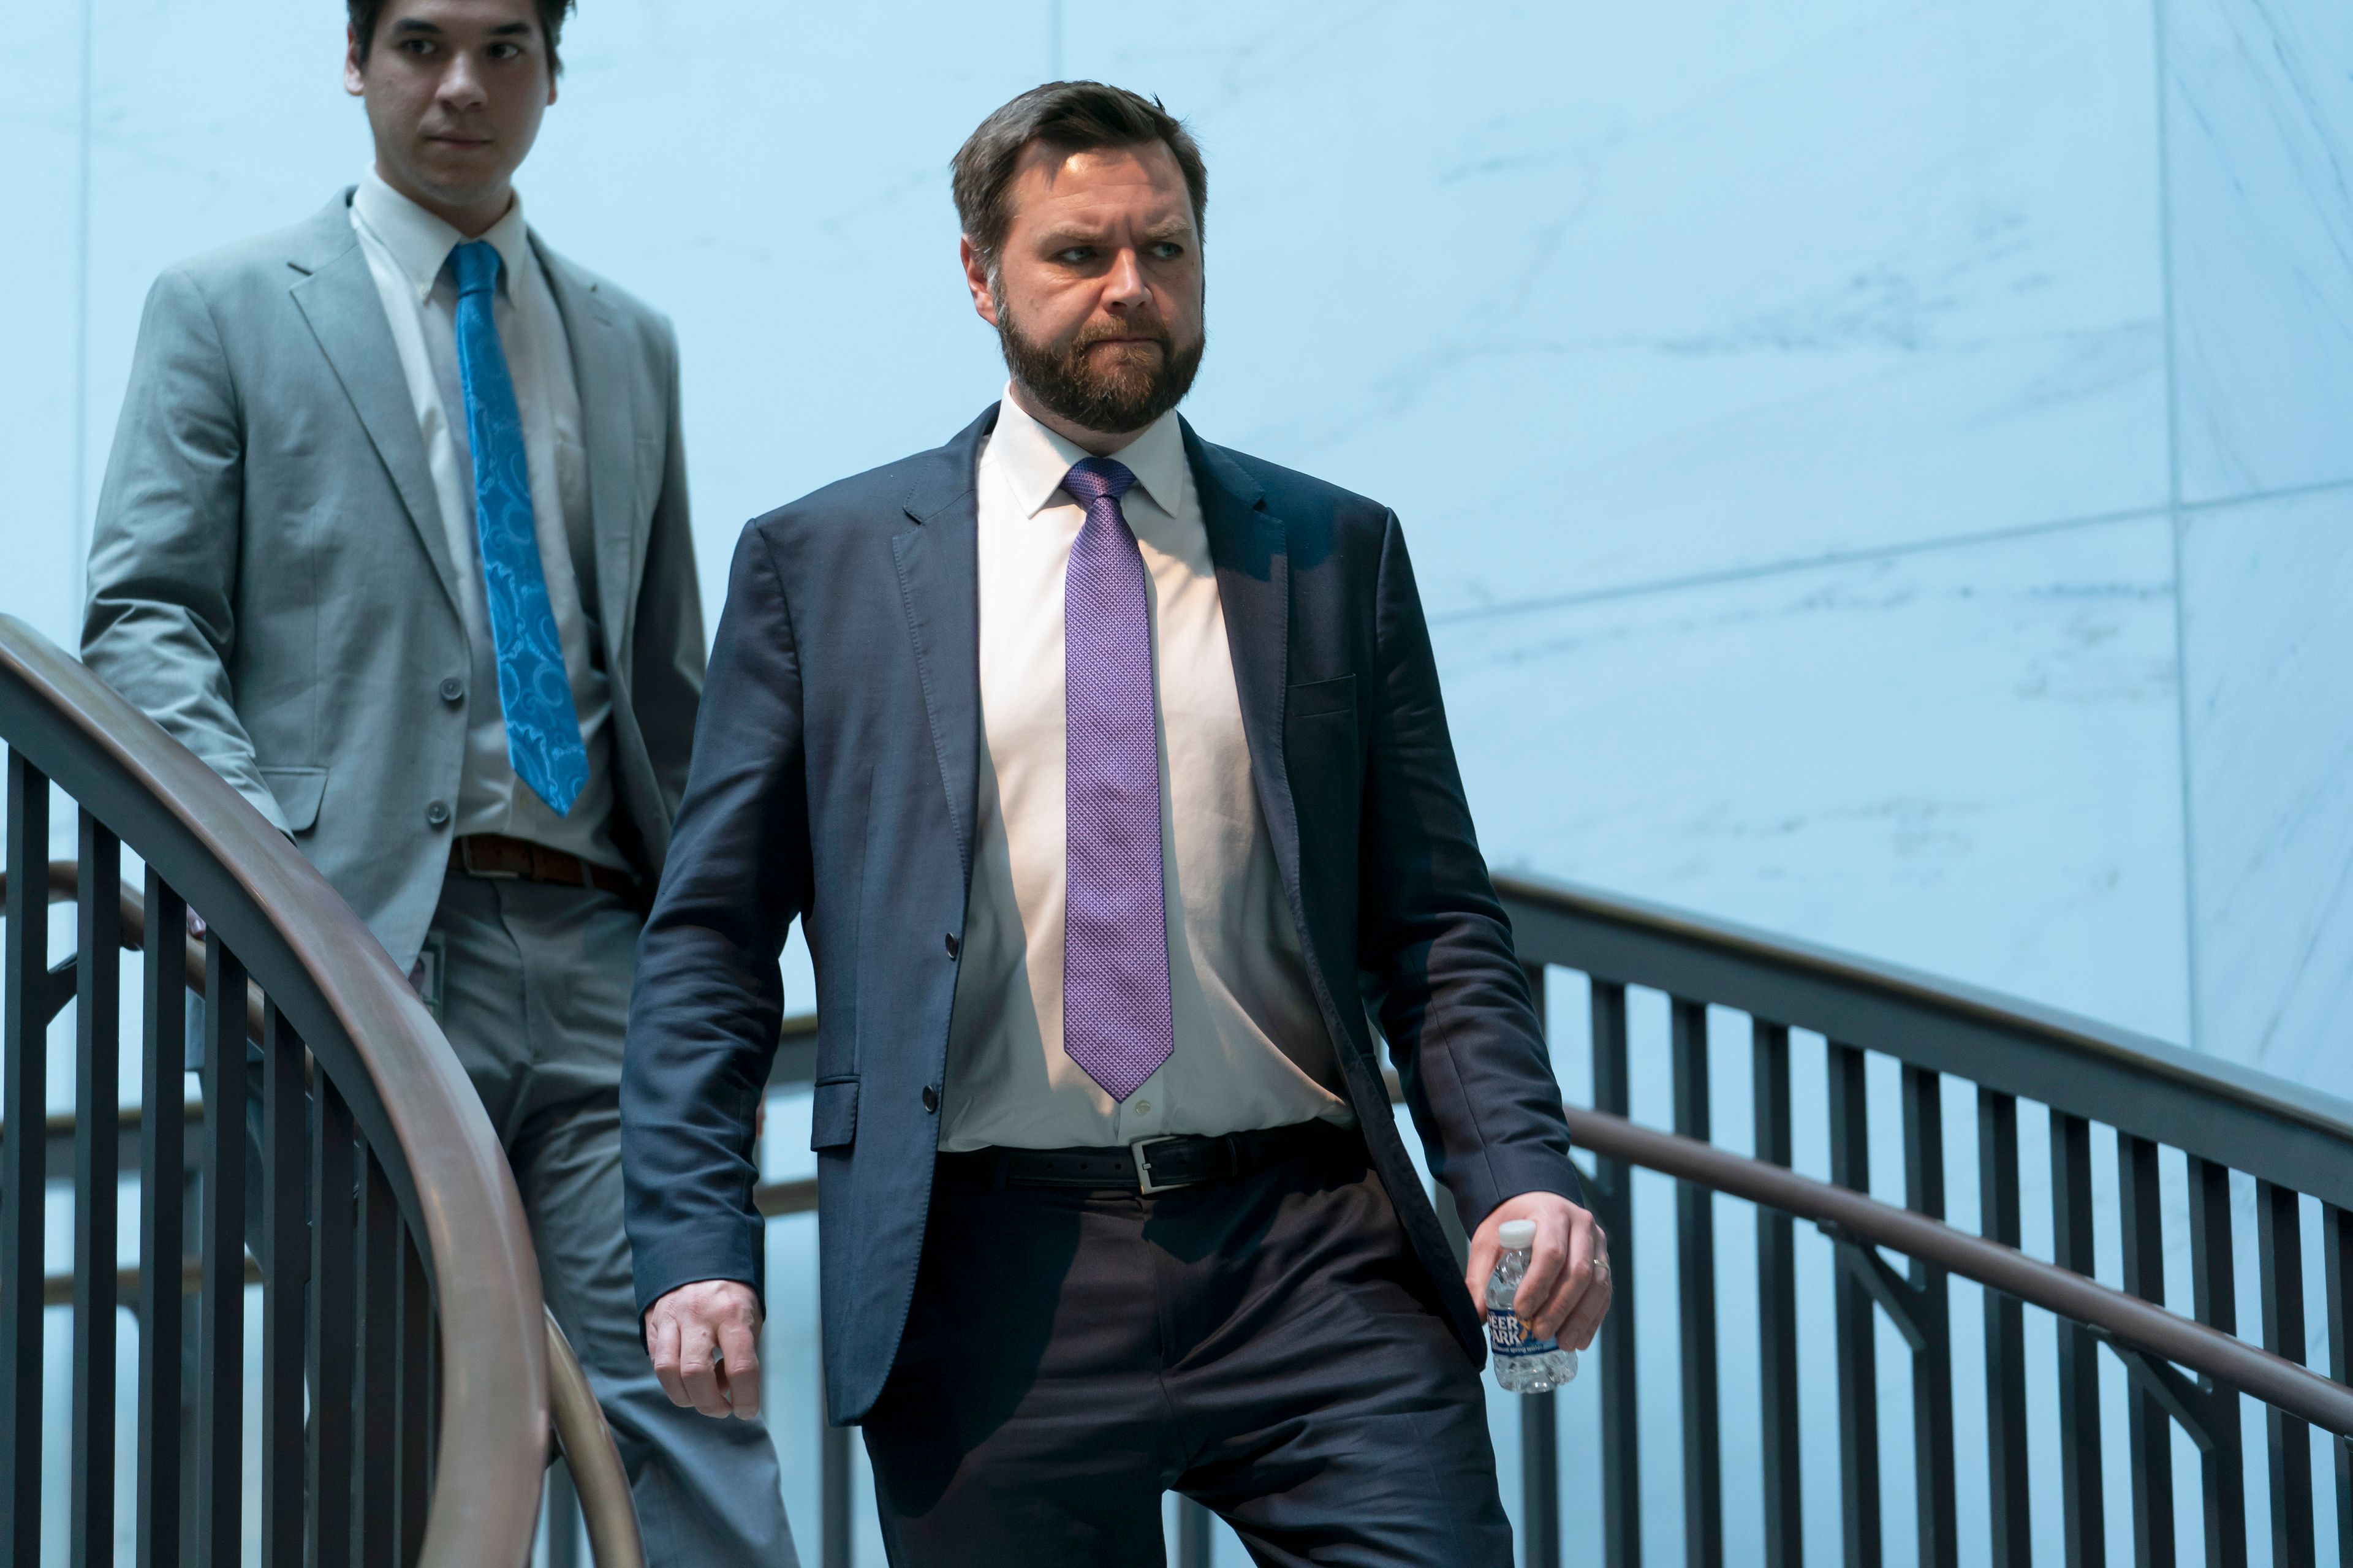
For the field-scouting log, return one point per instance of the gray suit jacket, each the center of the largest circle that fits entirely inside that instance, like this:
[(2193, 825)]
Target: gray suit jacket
[(269, 579)]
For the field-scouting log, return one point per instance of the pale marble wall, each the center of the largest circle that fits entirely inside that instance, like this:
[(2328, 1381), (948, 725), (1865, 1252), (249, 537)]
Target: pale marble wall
[(2259, 119), (1876, 471)]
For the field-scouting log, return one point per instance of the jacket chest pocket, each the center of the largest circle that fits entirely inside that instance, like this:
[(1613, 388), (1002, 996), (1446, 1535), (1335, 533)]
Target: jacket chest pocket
[(1319, 740)]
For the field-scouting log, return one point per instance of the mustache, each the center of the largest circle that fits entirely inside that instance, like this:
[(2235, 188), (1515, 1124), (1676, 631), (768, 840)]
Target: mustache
[(1105, 331)]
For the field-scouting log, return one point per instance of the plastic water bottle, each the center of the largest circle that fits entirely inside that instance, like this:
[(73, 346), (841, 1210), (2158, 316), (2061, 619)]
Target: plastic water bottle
[(1524, 1363)]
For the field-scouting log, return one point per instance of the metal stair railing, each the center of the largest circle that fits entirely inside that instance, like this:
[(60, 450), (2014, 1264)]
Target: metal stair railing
[(2199, 1143), (582, 1439), (404, 1348)]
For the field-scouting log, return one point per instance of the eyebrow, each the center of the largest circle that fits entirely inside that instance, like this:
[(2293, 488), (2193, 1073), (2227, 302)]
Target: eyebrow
[(1062, 238), (414, 25)]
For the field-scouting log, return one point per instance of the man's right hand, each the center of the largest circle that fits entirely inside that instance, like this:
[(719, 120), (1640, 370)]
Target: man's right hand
[(704, 1338)]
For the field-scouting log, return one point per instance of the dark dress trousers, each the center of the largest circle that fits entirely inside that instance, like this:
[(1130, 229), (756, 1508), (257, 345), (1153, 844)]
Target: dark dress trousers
[(834, 780)]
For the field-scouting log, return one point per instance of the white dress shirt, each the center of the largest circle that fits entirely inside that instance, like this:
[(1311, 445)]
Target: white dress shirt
[(408, 249), (1251, 1045)]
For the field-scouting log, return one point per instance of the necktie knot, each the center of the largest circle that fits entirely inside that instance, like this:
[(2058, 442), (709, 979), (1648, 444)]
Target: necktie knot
[(1093, 479), (477, 264)]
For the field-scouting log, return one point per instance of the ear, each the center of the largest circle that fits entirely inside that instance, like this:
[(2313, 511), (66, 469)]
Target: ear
[(976, 278), (354, 76)]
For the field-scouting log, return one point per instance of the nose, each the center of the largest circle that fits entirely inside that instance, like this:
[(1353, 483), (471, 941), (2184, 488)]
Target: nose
[(1124, 288), (461, 82)]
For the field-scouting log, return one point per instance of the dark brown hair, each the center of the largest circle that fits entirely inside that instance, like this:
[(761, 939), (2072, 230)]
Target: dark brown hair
[(1071, 117), (365, 14)]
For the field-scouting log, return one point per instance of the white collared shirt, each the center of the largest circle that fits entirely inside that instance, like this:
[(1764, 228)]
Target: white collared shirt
[(408, 250), (1250, 1049)]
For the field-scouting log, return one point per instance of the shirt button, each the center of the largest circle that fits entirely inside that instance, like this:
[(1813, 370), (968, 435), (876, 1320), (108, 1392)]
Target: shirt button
[(437, 812), (930, 1098), (1143, 1107), (952, 945), (452, 688)]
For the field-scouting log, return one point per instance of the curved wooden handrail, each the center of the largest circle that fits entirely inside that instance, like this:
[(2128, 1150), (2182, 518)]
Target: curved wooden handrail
[(324, 969), (2208, 1352), (2250, 1120), (586, 1443)]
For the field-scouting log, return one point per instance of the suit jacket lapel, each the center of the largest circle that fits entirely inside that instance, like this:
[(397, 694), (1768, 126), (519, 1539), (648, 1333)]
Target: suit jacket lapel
[(938, 560), (337, 295), (608, 427), (1250, 547)]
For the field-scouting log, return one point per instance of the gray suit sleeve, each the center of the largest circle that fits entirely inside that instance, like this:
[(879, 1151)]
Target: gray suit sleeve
[(161, 623), (668, 659)]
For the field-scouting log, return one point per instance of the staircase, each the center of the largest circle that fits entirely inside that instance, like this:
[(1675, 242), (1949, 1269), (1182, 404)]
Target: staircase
[(408, 1371), (1937, 1219)]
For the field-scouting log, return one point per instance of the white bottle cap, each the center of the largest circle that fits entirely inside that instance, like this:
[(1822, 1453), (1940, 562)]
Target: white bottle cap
[(1516, 1234)]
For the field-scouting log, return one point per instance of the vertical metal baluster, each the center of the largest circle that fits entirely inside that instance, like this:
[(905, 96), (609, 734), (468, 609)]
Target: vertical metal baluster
[(1194, 1548), (1856, 1322), (98, 1158), (2279, 1240), (1621, 1411), (286, 1260), (25, 1088), (413, 1484), (2142, 1207), (833, 1496), (1932, 1366), (2011, 1524), (332, 1342), (1695, 1291), (163, 1238), (220, 1356), (2079, 1367), (375, 1416), (2214, 1301), (1777, 1305), (2336, 1233), (1539, 1412), (1539, 1481)]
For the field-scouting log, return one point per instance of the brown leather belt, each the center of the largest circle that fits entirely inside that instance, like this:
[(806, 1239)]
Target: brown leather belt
[(1153, 1165), (519, 859)]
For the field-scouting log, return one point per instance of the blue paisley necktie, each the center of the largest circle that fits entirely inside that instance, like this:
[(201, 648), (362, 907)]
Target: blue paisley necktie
[(542, 727), (1115, 1018)]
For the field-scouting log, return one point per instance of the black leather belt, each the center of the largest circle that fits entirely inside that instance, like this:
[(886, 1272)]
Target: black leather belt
[(1152, 1165)]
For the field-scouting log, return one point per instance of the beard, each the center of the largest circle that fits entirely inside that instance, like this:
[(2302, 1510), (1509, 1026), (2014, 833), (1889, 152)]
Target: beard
[(1115, 391)]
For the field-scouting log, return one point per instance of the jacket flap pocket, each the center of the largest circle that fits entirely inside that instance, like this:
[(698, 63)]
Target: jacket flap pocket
[(298, 791), (1317, 698), (833, 1119)]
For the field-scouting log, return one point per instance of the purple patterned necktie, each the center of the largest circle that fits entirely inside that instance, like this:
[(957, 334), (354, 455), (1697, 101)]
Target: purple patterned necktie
[(1115, 932)]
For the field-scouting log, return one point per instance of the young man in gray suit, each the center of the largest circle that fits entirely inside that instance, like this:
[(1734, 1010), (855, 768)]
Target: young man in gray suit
[(394, 536)]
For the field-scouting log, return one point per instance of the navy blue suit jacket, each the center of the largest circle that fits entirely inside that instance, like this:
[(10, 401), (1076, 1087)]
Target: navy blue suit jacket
[(833, 781)]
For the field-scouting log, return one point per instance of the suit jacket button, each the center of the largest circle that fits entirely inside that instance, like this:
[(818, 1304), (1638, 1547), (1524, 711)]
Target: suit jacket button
[(437, 812), (930, 1098), (952, 945), (452, 688)]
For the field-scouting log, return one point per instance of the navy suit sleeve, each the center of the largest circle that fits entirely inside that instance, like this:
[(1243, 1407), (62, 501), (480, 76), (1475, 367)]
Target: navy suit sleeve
[(1454, 1004), (708, 998)]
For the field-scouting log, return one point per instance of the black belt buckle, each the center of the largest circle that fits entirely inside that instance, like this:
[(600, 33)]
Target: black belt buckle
[(1145, 1184)]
